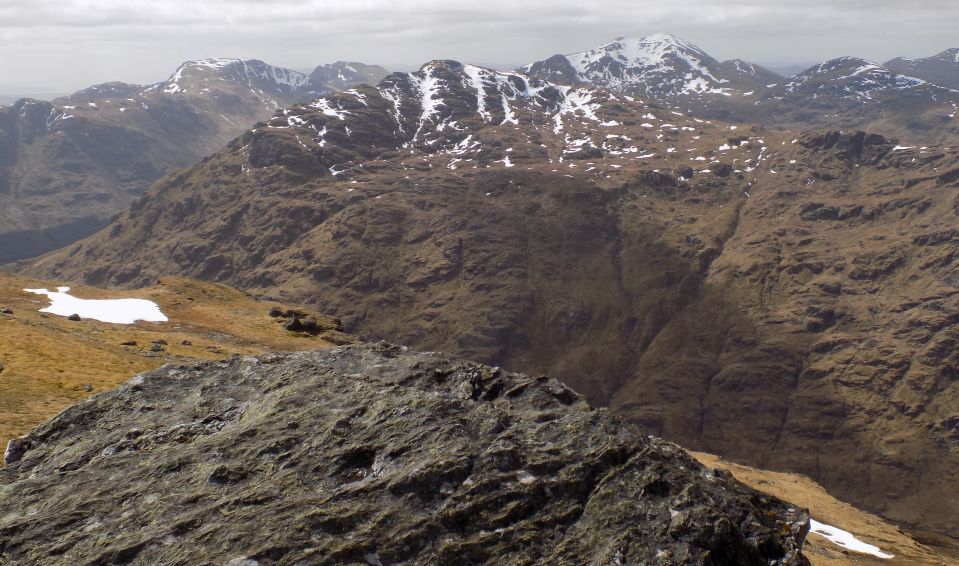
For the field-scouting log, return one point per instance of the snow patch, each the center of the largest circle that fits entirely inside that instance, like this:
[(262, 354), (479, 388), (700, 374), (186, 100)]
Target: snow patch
[(116, 311), (845, 539), (323, 105), (477, 80)]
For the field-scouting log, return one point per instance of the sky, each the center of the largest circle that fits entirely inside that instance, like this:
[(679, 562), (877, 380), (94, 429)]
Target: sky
[(53, 47)]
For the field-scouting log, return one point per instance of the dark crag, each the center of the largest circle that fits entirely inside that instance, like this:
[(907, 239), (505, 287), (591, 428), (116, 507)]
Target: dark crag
[(369, 454)]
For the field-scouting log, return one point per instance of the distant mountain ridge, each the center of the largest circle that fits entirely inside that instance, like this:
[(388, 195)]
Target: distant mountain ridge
[(856, 79), (845, 92), (787, 70), (253, 73), (68, 166), (202, 76), (343, 75), (660, 66), (941, 69)]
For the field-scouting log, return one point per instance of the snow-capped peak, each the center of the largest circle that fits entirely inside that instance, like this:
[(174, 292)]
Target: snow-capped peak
[(195, 75), (844, 63), (662, 63), (659, 66), (653, 51), (215, 63), (655, 44)]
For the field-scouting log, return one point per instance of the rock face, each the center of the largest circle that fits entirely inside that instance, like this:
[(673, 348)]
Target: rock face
[(369, 454), (68, 166), (846, 92), (780, 298)]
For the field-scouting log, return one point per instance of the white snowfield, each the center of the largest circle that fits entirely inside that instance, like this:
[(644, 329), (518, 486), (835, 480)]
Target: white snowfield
[(117, 311), (845, 539)]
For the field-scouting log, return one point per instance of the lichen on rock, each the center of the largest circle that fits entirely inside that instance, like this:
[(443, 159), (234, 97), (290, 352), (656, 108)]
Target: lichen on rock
[(369, 454)]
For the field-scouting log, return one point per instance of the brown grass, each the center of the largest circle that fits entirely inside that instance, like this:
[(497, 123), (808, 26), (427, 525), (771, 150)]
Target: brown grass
[(825, 508), (51, 363)]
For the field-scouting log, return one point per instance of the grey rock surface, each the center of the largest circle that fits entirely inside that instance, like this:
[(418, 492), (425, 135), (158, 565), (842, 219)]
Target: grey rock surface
[(369, 454)]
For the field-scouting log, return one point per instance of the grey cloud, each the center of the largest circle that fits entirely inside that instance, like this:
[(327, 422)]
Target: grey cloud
[(69, 44)]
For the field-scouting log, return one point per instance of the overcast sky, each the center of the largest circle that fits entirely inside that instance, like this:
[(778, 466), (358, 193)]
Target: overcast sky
[(58, 46)]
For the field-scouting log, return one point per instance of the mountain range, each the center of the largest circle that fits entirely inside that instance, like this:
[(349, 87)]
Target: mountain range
[(68, 166), (846, 92), (781, 298), (744, 264)]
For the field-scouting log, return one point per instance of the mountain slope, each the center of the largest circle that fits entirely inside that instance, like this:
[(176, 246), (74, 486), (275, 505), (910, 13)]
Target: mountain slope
[(845, 92), (67, 167), (778, 298), (370, 454), (941, 69)]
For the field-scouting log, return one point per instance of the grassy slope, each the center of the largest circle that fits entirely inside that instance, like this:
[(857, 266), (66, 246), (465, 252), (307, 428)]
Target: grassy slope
[(51, 363), (823, 507)]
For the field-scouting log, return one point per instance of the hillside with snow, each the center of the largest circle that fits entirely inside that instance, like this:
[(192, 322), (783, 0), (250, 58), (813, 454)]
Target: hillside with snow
[(941, 69), (844, 92), (660, 66)]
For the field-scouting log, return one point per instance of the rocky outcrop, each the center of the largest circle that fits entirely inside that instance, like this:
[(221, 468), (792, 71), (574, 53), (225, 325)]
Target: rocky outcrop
[(369, 454)]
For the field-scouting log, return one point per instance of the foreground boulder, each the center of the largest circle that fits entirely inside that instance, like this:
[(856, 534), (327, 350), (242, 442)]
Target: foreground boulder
[(369, 455)]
